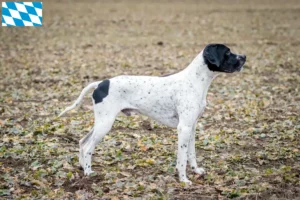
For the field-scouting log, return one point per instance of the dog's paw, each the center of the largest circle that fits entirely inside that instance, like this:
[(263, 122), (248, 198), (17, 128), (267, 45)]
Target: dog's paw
[(88, 172), (81, 163), (199, 171), (186, 182)]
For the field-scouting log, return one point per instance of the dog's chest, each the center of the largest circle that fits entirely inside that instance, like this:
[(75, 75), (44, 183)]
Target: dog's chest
[(202, 108)]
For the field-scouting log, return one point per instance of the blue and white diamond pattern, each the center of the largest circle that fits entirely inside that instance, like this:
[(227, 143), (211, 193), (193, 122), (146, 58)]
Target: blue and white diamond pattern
[(22, 13)]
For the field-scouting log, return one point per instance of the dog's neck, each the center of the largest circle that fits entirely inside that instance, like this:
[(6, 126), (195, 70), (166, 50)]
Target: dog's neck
[(199, 71), (200, 75)]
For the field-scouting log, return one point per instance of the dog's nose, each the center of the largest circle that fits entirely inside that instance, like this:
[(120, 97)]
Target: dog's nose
[(243, 57)]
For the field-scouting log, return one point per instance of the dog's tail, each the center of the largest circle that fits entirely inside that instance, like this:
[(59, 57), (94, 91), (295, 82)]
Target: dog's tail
[(79, 99)]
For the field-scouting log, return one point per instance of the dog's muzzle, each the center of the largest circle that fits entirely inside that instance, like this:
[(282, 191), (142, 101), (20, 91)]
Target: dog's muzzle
[(242, 60)]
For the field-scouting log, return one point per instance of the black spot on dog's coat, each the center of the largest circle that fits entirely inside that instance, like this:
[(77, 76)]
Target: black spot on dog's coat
[(101, 91)]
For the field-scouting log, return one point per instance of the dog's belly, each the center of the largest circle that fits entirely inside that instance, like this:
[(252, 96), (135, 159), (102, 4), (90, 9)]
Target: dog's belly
[(170, 120), (163, 111), (166, 119)]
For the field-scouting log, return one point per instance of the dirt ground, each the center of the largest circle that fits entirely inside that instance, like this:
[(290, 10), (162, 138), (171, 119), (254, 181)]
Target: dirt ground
[(248, 138)]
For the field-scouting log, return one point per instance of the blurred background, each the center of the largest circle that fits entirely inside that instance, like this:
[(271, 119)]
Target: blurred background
[(249, 140)]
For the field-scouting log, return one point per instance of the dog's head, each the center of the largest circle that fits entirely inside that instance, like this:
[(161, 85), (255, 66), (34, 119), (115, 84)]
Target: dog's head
[(219, 58)]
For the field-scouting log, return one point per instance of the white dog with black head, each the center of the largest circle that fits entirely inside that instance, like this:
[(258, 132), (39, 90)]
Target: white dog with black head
[(176, 100)]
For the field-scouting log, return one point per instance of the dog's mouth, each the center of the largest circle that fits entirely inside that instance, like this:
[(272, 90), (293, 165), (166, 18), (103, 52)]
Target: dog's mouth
[(240, 69), (241, 61), (241, 64)]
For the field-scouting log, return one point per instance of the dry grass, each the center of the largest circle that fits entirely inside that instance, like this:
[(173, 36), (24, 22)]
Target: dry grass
[(250, 142)]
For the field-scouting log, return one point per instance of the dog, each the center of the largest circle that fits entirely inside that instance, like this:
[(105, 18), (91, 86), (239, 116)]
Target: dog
[(176, 100)]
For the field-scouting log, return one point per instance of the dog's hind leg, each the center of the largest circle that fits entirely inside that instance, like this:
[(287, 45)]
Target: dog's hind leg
[(103, 123), (82, 143)]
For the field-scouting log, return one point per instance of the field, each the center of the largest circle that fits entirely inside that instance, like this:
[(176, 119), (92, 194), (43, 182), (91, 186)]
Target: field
[(248, 139)]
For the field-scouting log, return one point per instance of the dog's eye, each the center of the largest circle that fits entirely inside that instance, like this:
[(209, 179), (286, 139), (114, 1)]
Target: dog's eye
[(227, 53)]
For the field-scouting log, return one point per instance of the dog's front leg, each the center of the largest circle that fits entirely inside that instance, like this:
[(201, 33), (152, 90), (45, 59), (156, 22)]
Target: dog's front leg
[(184, 134), (192, 154)]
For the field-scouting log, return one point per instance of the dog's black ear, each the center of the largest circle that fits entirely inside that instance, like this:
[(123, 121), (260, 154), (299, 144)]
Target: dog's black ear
[(214, 54)]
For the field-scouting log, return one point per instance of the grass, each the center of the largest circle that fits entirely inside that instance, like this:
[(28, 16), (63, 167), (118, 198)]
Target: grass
[(248, 138)]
